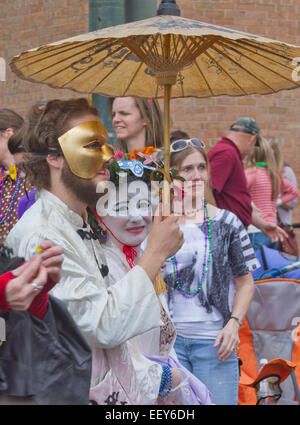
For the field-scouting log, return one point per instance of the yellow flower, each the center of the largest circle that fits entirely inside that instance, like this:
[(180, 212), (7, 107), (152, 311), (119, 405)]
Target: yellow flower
[(39, 250), (12, 171)]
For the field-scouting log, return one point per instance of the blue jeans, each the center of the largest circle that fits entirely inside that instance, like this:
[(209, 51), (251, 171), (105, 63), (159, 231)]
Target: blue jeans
[(260, 238), (201, 358)]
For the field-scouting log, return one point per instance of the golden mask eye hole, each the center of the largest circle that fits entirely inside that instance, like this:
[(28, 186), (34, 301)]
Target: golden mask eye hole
[(94, 145)]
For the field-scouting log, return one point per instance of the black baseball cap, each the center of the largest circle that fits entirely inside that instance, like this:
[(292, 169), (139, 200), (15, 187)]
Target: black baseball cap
[(247, 125)]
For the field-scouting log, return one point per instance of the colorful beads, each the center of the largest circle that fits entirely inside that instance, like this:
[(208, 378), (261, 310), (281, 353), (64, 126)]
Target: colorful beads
[(166, 381), (207, 259), (11, 202)]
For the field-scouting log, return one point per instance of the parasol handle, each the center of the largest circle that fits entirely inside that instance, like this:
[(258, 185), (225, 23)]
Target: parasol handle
[(166, 187), (167, 97), (167, 79)]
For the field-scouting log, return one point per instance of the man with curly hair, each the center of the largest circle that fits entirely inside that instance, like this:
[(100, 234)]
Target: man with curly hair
[(65, 160)]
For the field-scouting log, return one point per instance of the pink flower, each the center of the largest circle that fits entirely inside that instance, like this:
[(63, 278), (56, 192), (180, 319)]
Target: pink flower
[(118, 155)]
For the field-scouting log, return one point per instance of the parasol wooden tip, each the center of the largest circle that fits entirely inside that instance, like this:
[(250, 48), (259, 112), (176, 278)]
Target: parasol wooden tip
[(168, 7)]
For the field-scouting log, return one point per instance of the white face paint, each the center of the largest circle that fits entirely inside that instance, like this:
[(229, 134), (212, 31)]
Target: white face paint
[(130, 217)]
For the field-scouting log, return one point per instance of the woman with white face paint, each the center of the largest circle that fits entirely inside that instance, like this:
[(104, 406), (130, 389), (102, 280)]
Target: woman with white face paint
[(146, 366)]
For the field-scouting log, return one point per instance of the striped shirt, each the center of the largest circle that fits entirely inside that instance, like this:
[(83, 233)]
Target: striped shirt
[(260, 188)]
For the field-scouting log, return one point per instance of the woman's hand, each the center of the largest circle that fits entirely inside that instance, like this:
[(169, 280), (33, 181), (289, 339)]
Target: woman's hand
[(52, 259), (20, 292), (44, 270), (229, 335), (229, 340)]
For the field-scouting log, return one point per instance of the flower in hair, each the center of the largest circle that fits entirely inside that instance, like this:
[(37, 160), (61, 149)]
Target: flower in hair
[(140, 167), (148, 150)]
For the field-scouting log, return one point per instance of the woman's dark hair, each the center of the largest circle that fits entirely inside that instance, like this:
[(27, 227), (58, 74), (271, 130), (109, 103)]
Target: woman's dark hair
[(10, 119), (43, 126), (177, 135), (15, 142)]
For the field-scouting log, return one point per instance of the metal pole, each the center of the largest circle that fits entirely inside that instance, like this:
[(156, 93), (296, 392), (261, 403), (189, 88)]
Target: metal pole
[(136, 10), (107, 13), (102, 14)]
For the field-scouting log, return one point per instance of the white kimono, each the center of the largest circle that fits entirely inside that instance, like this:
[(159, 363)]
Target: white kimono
[(151, 343), (107, 315)]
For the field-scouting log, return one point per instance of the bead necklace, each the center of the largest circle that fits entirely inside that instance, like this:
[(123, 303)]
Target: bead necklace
[(206, 259), (166, 381), (11, 202), (2, 177), (188, 213)]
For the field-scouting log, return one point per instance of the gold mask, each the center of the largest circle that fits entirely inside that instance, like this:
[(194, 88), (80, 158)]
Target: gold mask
[(85, 161)]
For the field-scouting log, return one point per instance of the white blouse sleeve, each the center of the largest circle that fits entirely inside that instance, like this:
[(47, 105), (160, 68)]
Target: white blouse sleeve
[(106, 316)]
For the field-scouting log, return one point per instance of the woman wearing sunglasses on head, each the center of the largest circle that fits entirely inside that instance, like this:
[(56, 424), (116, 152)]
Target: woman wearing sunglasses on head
[(210, 286)]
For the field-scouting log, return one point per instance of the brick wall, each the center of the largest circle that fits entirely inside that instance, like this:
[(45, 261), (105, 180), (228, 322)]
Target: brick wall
[(278, 115), (25, 24)]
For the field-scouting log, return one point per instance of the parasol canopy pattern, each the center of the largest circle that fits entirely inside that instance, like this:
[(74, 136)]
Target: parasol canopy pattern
[(138, 59)]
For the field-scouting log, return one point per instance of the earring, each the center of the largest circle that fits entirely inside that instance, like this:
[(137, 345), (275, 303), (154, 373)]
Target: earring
[(102, 234)]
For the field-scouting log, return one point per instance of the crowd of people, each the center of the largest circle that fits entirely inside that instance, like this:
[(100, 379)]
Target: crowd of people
[(152, 305)]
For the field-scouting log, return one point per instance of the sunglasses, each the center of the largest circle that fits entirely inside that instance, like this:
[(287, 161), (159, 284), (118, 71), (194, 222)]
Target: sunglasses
[(180, 145)]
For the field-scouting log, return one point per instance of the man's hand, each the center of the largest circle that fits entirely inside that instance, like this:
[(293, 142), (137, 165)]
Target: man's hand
[(165, 236), (164, 240)]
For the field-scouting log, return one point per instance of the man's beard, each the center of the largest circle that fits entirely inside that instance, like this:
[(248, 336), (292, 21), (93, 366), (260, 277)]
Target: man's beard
[(83, 189)]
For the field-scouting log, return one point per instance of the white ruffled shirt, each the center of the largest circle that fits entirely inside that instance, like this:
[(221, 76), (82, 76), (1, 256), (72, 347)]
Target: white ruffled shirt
[(107, 314)]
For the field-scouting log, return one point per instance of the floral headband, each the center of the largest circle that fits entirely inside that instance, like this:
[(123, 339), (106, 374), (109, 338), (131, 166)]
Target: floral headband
[(145, 168)]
